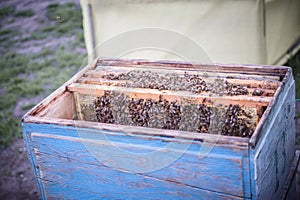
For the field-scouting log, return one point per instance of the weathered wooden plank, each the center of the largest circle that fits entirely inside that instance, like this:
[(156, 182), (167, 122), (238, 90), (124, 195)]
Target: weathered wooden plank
[(243, 69), (205, 169), (251, 85), (66, 182), (32, 159), (62, 107), (99, 71), (42, 124), (249, 80), (102, 138), (280, 92), (274, 152), (145, 93)]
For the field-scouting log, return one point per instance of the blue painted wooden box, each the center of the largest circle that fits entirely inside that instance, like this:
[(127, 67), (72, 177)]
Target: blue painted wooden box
[(73, 158)]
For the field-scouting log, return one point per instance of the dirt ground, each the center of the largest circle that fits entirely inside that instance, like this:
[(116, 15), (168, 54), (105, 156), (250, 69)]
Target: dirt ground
[(16, 180)]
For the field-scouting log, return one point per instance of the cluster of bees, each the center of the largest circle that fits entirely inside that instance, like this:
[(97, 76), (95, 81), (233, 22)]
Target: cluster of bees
[(172, 81), (236, 123), (112, 76), (117, 108), (156, 114), (103, 108), (139, 111), (223, 87), (153, 80), (204, 116), (232, 120), (173, 115)]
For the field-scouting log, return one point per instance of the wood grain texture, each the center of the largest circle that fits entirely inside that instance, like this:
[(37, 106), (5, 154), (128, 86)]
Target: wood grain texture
[(220, 140), (280, 92), (68, 183), (144, 93), (101, 70), (275, 150), (243, 69), (251, 85), (208, 76), (63, 107), (32, 160), (216, 167)]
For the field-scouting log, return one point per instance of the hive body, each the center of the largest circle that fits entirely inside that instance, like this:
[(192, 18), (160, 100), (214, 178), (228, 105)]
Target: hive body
[(73, 155)]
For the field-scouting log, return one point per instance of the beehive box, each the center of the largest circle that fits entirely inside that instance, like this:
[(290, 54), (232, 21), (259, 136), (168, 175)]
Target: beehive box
[(137, 129)]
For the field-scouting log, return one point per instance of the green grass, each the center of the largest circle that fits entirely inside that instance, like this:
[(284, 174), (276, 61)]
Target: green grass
[(9, 128), (29, 75), (7, 38), (7, 34), (66, 21), (12, 64), (38, 36), (25, 13), (28, 106), (7, 11), (11, 11)]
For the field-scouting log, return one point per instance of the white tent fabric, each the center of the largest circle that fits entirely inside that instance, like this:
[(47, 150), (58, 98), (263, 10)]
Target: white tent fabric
[(229, 31), (282, 29)]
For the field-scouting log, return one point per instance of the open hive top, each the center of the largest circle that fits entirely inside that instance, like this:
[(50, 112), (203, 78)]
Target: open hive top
[(213, 99)]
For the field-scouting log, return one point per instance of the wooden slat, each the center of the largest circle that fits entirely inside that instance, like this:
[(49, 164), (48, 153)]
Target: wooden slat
[(62, 107), (77, 106), (102, 81), (220, 140), (163, 70), (55, 150), (251, 69), (273, 144), (98, 90), (258, 82)]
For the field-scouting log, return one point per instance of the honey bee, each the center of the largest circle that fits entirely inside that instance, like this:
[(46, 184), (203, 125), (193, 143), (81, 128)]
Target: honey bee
[(58, 18)]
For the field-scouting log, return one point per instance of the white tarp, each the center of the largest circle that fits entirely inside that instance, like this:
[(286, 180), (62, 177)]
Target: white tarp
[(230, 31)]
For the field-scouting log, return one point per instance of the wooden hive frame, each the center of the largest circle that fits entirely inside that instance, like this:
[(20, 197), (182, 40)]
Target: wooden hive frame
[(94, 82), (89, 81)]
